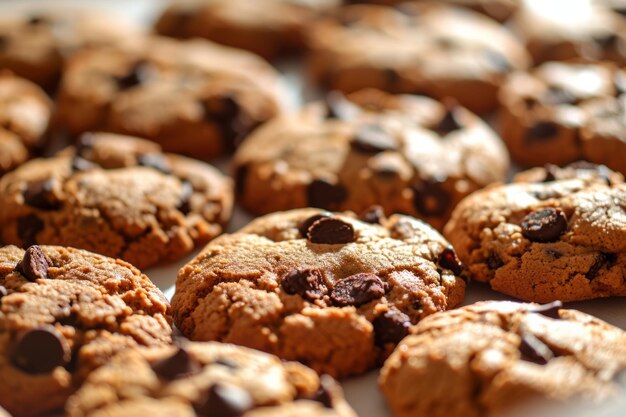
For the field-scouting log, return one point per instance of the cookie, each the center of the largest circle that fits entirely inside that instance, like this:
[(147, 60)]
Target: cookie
[(492, 357), (588, 30), (426, 48), (269, 28), (36, 45), (24, 117), (118, 196), (192, 97), (555, 234), (332, 291), (545, 111), (63, 313), (213, 379), (409, 154)]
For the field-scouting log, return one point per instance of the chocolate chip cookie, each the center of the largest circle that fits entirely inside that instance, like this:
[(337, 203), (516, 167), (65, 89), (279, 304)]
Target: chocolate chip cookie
[(556, 234), (118, 196), (35, 46), (330, 290), (563, 112), (491, 357), (24, 117), (426, 48), (192, 97), (269, 28), (410, 154), (207, 379), (63, 313)]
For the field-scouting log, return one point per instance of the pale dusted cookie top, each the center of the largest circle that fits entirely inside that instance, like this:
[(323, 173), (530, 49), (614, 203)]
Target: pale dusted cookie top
[(25, 112), (410, 154), (63, 313), (338, 299), (562, 237), (116, 195), (489, 357), (207, 379)]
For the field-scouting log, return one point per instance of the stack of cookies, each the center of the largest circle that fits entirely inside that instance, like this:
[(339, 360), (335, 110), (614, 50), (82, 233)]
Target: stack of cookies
[(445, 151)]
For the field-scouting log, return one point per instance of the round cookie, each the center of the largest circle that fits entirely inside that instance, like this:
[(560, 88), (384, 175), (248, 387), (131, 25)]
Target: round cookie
[(36, 46), (269, 28), (545, 111), (192, 97), (63, 313), (211, 379), (332, 291), (556, 234), (24, 116), (492, 357), (118, 196), (426, 48), (587, 30), (409, 154)]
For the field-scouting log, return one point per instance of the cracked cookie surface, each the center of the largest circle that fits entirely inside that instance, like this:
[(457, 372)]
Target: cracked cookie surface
[(490, 357), (329, 290), (410, 154), (65, 312), (115, 195), (554, 234), (207, 379)]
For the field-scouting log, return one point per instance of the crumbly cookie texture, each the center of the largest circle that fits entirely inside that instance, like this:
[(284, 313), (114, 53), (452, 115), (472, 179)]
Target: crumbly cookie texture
[(118, 196), (410, 154), (206, 379), (36, 45), (24, 117), (63, 313), (422, 47), (491, 357), (555, 234), (192, 97), (329, 290), (270, 28), (563, 112)]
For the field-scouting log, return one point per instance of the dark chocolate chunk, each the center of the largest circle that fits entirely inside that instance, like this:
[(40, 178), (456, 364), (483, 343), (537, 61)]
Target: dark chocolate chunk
[(603, 259), (40, 350), (40, 194), (391, 327), (541, 131), (225, 401), (179, 365), (450, 121), (304, 227), (322, 194), (36, 20), (373, 215), (241, 175), (357, 290), (136, 75), (372, 138), (185, 197), (449, 260), (85, 143), (494, 261), (550, 310), (33, 265), (544, 225), (27, 229), (230, 118), (324, 392), (551, 173), (607, 41), (534, 350), (331, 231), (430, 198), (156, 161), (307, 283)]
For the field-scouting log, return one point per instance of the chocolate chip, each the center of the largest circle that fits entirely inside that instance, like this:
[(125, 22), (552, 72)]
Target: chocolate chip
[(373, 215), (430, 199), (36, 20), (85, 143), (40, 350), (607, 41), (186, 191), (450, 121), (556, 95), (357, 290), (27, 229), (40, 194), (230, 118), (494, 261), (552, 172), (553, 253), (324, 392), (156, 161), (339, 107), (497, 61), (305, 225), (544, 225), (372, 138), (330, 231), (534, 350), (225, 401), (179, 365), (322, 194), (541, 131), (81, 164), (391, 327), (135, 76), (550, 310), (33, 265), (241, 175), (307, 283), (603, 259), (449, 260)]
